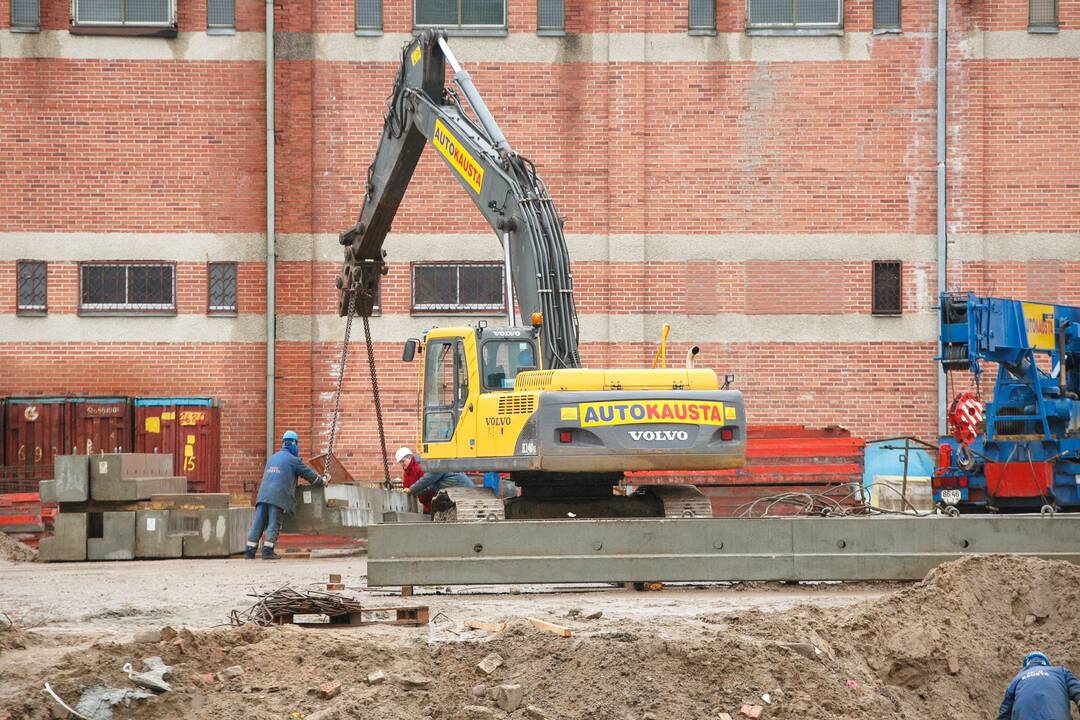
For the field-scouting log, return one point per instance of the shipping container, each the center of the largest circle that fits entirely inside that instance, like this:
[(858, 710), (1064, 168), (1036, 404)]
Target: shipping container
[(99, 424), (189, 429), (35, 430)]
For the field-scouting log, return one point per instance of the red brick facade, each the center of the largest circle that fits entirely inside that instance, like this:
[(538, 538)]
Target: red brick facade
[(742, 185)]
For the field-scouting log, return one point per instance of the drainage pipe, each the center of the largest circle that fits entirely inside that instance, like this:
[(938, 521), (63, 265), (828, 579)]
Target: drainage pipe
[(942, 239), (271, 310)]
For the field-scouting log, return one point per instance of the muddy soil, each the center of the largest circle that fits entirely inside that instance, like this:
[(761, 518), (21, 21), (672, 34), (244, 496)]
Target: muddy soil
[(942, 648)]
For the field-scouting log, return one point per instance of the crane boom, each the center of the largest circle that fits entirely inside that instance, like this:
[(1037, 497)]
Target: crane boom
[(503, 185)]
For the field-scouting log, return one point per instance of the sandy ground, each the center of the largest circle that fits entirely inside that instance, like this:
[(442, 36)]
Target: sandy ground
[(122, 597), (941, 649)]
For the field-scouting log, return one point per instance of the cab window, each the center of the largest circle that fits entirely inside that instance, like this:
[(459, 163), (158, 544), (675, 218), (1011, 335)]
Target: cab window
[(441, 390), (503, 360)]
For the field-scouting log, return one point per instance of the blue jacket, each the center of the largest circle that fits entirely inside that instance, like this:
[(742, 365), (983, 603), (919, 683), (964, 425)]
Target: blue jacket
[(1040, 692), (440, 481), (278, 486)]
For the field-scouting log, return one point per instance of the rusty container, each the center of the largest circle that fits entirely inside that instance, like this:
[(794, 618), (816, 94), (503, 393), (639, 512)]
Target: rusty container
[(35, 429), (189, 429), (99, 424)]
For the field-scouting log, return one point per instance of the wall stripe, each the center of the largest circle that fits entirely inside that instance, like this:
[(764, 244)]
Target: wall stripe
[(529, 47), (721, 328), (181, 247)]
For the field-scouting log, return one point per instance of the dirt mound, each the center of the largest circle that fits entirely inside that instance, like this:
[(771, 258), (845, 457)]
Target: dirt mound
[(942, 649), (12, 550)]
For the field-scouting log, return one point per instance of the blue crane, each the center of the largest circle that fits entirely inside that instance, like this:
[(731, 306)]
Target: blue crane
[(1025, 453)]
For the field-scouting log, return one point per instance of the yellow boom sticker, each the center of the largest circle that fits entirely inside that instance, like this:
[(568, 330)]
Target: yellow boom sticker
[(415, 57), (1039, 320), (458, 157), (685, 412)]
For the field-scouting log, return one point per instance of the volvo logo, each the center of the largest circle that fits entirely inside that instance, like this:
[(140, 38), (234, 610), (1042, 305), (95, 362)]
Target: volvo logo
[(655, 435)]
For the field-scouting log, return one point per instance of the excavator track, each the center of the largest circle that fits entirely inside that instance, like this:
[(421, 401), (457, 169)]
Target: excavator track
[(461, 504), (682, 501)]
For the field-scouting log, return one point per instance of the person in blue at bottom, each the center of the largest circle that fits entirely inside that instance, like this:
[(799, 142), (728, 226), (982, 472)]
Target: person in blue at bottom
[(1040, 691), (277, 495)]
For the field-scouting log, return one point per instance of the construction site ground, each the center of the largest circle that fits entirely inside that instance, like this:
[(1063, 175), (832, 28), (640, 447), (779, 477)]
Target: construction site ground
[(943, 648)]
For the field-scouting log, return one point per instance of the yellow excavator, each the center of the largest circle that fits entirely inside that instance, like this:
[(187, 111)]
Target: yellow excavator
[(515, 399)]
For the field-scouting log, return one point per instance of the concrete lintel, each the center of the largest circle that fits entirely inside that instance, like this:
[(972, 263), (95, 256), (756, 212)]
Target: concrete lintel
[(881, 548)]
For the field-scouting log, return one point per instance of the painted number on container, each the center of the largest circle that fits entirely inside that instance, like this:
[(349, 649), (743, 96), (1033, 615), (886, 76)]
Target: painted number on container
[(191, 418)]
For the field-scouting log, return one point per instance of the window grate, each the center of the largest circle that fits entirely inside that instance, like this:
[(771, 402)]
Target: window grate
[(25, 15), (369, 15), (124, 12), (886, 288), (794, 14), (460, 14), (550, 16), (886, 14), (127, 287), (457, 287), (220, 14), (702, 15), (1043, 15), (221, 288), (31, 287)]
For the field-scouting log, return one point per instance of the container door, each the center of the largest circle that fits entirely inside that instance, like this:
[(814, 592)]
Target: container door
[(35, 431), (100, 425), (198, 447)]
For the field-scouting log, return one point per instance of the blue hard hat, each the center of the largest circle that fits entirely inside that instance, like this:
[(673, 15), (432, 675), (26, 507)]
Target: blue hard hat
[(1036, 657), (290, 436)]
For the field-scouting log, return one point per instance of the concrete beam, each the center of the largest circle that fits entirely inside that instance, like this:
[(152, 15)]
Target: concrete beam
[(68, 541), (71, 480), (212, 538), (152, 538), (117, 541)]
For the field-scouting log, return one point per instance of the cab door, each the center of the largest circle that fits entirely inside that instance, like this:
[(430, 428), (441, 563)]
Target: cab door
[(447, 410)]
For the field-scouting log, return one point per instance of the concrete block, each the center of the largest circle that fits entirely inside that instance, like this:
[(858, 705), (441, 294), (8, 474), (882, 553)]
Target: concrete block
[(405, 517), (68, 541), (239, 523), (47, 491), (212, 536), (152, 538), (344, 509), (72, 476), (117, 541), (192, 500), (109, 488), (126, 466)]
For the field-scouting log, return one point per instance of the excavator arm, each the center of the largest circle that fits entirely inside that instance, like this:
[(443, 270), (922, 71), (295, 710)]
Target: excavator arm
[(502, 184)]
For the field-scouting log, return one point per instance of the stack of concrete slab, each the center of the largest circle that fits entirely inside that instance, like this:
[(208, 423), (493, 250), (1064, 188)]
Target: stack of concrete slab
[(345, 509), (127, 506)]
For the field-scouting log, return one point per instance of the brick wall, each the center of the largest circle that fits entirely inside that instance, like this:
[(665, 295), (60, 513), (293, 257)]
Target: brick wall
[(739, 182)]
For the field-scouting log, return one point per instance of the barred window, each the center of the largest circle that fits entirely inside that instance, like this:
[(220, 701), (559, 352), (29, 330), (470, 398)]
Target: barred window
[(1042, 16), (787, 15), (25, 15), (124, 12), (221, 288), (369, 16), (702, 17), (31, 287), (127, 287), (886, 14), (550, 17), (457, 287), (886, 288), (460, 14), (220, 16)]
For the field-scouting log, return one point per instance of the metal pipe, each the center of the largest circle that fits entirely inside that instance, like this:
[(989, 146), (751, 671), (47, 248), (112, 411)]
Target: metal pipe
[(271, 256), (694, 350), (942, 239), (509, 280), (464, 81)]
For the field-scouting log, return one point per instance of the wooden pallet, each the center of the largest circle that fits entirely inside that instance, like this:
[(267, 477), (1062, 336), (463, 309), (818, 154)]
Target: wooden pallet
[(415, 616)]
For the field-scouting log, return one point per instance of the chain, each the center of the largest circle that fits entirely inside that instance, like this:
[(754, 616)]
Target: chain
[(340, 382), (378, 402)]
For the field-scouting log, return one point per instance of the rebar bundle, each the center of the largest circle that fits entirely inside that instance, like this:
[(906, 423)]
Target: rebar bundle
[(839, 501), (273, 607)]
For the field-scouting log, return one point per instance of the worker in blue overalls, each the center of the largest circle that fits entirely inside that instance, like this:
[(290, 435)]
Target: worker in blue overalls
[(1040, 691), (277, 495)]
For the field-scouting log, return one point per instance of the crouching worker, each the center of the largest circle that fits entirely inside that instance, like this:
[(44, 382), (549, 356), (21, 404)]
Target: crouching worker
[(1040, 691), (277, 495), (429, 484)]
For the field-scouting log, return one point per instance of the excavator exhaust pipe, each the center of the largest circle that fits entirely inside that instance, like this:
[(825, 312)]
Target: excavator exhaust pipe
[(690, 354)]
